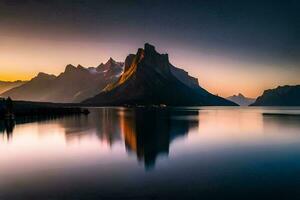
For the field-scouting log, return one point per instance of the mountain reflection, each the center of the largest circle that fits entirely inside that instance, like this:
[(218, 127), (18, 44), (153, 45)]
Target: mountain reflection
[(104, 123), (148, 133), (7, 128), (281, 122), (145, 132)]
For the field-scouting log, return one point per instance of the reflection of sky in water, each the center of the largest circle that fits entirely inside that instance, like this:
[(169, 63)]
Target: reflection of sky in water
[(121, 150)]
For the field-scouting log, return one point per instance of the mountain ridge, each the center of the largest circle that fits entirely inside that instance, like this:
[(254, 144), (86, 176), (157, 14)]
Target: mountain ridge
[(73, 85), (241, 100), (287, 95), (7, 85)]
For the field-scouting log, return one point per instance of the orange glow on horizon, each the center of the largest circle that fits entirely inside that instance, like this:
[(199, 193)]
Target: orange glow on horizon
[(24, 58)]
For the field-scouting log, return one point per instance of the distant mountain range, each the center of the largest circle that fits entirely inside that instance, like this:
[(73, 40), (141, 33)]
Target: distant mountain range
[(149, 78), (145, 78), (241, 100), (7, 85), (280, 96), (74, 85)]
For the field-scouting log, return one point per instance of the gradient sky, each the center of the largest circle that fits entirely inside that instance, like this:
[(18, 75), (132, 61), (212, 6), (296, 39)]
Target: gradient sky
[(230, 46)]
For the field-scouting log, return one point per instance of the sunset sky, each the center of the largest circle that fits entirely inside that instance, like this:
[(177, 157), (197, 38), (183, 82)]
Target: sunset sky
[(230, 46)]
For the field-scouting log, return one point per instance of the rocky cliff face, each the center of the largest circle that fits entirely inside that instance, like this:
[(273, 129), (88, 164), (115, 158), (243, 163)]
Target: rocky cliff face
[(280, 96), (149, 79)]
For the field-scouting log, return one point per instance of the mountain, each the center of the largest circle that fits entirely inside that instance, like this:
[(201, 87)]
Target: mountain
[(72, 86), (7, 85), (32, 89), (110, 68), (280, 96), (149, 78), (241, 100)]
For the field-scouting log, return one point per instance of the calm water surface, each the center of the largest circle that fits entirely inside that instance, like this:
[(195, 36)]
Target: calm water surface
[(119, 153)]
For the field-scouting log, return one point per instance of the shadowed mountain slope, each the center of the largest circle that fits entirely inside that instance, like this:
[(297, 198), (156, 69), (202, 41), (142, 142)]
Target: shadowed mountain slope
[(280, 96)]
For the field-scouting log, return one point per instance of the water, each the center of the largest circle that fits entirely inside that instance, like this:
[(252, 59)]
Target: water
[(118, 153)]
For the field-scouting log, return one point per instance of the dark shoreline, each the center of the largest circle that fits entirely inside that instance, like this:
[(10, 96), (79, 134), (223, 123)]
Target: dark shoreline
[(281, 114), (35, 109)]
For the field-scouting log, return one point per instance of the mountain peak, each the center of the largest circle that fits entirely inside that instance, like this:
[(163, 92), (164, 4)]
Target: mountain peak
[(80, 67), (241, 100), (111, 60), (100, 65), (241, 95), (149, 47), (70, 68), (111, 64), (150, 53), (44, 75)]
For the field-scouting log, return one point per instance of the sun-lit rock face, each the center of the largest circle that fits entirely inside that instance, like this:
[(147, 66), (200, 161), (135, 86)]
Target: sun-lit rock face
[(149, 58), (128, 61), (149, 78)]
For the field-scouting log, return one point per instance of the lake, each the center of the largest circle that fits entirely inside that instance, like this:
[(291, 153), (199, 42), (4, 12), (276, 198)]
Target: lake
[(162, 153)]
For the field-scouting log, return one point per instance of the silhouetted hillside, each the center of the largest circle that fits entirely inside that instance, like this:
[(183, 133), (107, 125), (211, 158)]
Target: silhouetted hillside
[(73, 85), (43, 109), (280, 96)]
